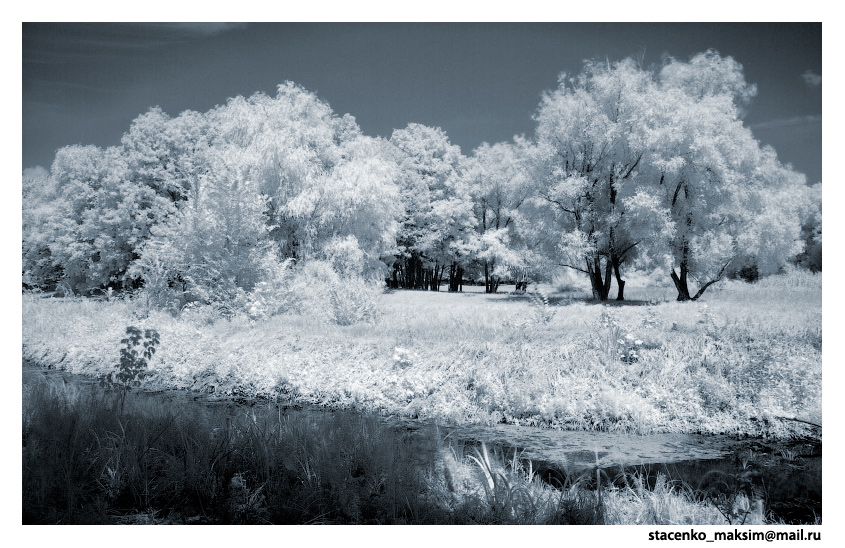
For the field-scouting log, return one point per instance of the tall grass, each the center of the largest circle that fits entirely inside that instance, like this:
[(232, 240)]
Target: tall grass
[(87, 460)]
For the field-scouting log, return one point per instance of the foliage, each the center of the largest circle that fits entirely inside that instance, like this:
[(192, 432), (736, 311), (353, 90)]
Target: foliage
[(274, 294), (590, 144), (330, 296), (437, 219), (214, 245), (616, 342), (90, 222), (497, 181), (754, 364), (641, 164), (88, 460), (133, 361), (541, 311), (629, 167), (133, 366)]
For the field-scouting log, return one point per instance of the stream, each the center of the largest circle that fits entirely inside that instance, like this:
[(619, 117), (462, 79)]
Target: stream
[(786, 475)]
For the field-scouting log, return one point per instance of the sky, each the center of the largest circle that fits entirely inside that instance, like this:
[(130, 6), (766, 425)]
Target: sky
[(84, 83)]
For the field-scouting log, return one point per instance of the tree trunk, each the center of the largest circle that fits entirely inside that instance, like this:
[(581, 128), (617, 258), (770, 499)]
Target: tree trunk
[(491, 281), (619, 281), (494, 280), (681, 283), (419, 275), (435, 276), (600, 287), (486, 277), (456, 274), (521, 283)]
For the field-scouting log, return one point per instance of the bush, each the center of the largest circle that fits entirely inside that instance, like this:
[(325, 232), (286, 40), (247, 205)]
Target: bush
[(274, 294), (344, 300)]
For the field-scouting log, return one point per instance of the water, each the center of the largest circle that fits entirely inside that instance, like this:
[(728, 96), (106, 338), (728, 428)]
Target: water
[(787, 477)]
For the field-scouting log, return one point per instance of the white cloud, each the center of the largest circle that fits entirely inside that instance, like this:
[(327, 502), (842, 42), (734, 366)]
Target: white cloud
[(36, 172), (785, 122), (812, 79), (207, 28)]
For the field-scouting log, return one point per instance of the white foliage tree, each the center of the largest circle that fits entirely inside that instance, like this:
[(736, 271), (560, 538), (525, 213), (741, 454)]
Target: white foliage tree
[(437, 217), (498, 183), (591, 137), (727, 196)]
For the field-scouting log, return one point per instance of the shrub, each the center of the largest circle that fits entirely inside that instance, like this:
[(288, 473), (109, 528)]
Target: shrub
[(274, 294), (344, 300), (133, 360)]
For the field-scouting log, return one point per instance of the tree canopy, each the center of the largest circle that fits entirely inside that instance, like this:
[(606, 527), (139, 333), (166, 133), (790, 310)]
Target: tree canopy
[(629, 167)]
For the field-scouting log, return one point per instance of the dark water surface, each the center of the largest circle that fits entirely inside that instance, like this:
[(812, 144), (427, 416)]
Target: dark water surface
[(786, 475)]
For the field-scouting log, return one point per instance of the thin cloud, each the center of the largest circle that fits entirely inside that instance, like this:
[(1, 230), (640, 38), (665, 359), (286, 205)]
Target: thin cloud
[(789, 122), (812, 79), (36, 172), (205, 29)]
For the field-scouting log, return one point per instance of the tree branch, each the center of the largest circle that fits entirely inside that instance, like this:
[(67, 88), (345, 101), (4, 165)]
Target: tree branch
[(633, 167), (573, 268), (557, 203), (711, 282), (627, 249)]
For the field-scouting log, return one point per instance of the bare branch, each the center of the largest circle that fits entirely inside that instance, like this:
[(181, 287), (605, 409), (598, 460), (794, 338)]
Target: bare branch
[(573, 268)]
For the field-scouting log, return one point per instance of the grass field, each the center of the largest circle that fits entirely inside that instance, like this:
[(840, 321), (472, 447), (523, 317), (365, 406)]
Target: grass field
[(745, 359)]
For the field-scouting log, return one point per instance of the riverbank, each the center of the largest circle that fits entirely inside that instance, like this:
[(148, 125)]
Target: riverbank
[(91, 456), (745, 362)]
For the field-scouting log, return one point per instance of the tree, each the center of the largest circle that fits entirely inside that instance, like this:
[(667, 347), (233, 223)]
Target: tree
[(811, 230), (92, 220), (295, 140), (656, 165), (283, 170), (359, 201), (727, 196), (166, 154), (590, 142), (436, 217), (39, 201), (215, 245), (498, 184)]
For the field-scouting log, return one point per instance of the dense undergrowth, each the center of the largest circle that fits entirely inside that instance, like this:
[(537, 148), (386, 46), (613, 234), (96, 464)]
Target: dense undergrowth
[(88, 458), (746, 359)]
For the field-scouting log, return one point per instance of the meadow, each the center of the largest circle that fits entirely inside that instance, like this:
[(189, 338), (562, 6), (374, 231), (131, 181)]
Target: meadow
[(745, 359)]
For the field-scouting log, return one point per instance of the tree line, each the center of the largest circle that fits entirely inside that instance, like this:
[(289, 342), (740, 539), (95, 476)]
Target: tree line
[(629, 167)]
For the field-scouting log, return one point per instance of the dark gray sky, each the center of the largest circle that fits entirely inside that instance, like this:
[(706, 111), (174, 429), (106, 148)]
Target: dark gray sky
[(85, 83)]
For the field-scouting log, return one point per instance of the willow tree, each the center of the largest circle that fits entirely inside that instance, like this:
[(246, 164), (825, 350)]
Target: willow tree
[(294, 141), (727, 196), (590, 143), (323, 178), (497, 180)]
